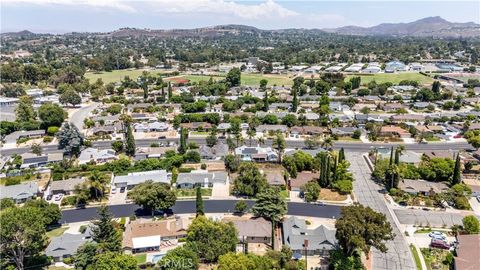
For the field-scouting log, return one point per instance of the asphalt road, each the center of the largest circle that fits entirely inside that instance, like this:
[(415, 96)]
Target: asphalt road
[(79, 115), (349, 146), (368, 193), (188, 207)]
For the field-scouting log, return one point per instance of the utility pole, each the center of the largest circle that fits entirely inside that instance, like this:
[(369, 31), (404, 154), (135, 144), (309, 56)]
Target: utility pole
[(305, 245)]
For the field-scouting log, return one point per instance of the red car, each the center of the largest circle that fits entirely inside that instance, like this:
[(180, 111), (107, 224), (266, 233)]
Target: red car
[(437, 243)]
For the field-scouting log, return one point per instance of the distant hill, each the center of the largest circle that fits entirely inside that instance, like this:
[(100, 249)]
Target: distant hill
[(24, 33), (426, 27)]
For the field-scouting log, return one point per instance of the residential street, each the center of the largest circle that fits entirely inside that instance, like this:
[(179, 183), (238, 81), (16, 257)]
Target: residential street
[(211, 206), (79, 115), (367, 192)]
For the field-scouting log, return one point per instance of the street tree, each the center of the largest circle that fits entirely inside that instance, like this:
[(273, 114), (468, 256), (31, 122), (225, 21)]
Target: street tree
[(117, 146), (471, 225), (50, 211), (280, 145), (360, 228), (182, 148), (211, 139), (272, 206), (36, 149), (153, 196), (312, 191), (241, 206), (70, 139), (105, 232), (457, 171), (130, 141), (199, 202)]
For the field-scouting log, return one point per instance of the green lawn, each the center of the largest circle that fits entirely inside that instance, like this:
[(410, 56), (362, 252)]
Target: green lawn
[(394, 78), (117, 75), (141, 258), (416, 257), (56, 232), (247, 79), (193, 192)]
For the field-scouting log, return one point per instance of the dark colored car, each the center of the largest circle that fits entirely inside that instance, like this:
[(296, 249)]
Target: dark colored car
[(437, 243), (122, 189)]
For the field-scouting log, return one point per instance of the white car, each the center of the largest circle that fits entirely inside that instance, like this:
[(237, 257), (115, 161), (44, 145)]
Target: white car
[(437, 235), (58, 197), (114, 190)]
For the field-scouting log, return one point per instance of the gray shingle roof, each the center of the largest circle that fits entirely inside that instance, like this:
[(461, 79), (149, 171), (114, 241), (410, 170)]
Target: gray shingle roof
[(200, 177), (20, 191), (140, 177), (66, 244), (296, 232)]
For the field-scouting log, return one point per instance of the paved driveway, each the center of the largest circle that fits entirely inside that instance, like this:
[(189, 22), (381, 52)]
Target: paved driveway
[(432, 218), (398, 256)]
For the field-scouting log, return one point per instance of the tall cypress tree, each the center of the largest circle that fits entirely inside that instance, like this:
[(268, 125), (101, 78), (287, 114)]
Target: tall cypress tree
[(457, 173), (294, 101), (183, 141), (265, 101), (199, 202), (130, 141), (341, 155), (170, 91)]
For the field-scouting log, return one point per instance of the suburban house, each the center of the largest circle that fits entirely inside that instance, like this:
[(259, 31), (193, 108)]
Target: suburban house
[(258, 154), (394, 131), (421, 187), (20, 192), (152, 152), (275, 177), (13, 137), (65, 186), (271, 128), (302, 178), (218, 151), (196, 126), (95, 155), (106, 120), (147, 235), (132, 179), (30, 160), (110, 129), (66, 245), (255, 232), (467, 250), (150, 127), (343, 131), (200, 178), (401, 118), (297, 131), (319, 241)]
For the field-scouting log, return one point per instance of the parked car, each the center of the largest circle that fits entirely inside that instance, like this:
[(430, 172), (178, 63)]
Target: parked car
[(436, 243), (114, 189), (58, 197), (122, 189), (437, 235)]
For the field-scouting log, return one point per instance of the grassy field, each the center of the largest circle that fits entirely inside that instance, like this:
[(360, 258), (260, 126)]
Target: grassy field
[(248, 79), (56, 232), (416, 257), (117, 75), (394, 78)]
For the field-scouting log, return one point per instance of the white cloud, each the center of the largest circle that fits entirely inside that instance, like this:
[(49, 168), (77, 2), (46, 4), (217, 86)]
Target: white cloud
[(115, 4), (265, 10)]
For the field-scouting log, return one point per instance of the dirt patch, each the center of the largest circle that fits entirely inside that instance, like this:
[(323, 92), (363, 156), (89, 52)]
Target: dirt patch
[(330, 195)]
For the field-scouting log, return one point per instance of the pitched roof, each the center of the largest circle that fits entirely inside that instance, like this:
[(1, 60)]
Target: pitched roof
[(136, 178), (66, 185), (468, 251), (251, 227), (302, 178), (295, 232), (20, 191), (200, 176), (421, 186), (66, 244)]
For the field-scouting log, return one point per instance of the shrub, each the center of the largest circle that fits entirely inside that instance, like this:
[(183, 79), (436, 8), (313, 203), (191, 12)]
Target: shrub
[(52, 131), (83, 229), (70, 200), (461, 202), (203, 166), (67, 260), (10, 181), (47, 139)]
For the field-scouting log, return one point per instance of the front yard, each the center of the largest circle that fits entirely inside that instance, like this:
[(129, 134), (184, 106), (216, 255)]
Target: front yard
[(331, 195), (191, 192), (56, 232), (437, 259)]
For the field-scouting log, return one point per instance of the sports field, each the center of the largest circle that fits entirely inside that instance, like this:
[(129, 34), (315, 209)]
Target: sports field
[(248, 79), (117, 75)]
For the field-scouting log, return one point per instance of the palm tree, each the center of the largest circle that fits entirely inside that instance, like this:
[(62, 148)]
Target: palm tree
[(97, 182), (327, 143), (261, 140), (239, 138), (279, 144)]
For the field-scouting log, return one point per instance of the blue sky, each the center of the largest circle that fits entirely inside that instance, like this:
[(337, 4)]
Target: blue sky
[(60, 16)]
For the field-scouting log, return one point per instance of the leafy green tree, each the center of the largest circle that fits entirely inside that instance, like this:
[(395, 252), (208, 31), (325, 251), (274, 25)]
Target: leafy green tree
[(212, 238), (85, 255), (290, 165), (341, 155), (169, 91), (192, 156), (237, 261), (457, 171), (71, 97), (241, 206), (270, 205), (22, 231), (289, 120), (51, 115), (50, 211), (233, 77), (152, 196), (249, 181), (6, 203), (130, 141), (117, 146), (212, 138), (339, 261), (360, 228), (24, 111), (199, 202), (36, 149), (70, 139), (312, 191), (180, 258), (232, 162), (113, 261), (471, 224), (105, 233), (295, 101)]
